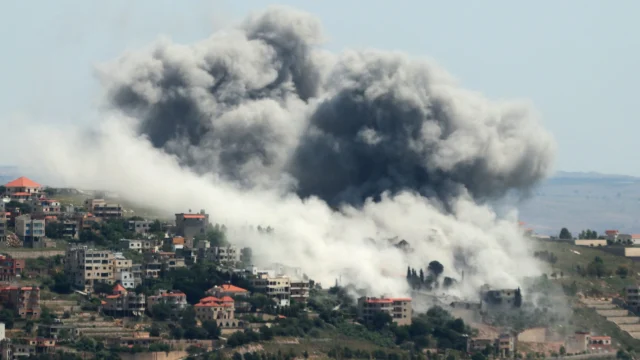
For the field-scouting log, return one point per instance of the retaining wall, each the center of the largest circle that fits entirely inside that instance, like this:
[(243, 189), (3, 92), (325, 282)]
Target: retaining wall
[(613, 313), (619, 320)]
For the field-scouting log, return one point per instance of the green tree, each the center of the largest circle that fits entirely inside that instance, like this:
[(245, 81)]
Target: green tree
[(436, 268), (380, 320), (563, 351), (54, 230), (565, 234), (622, 271), (161, 312), (212, 329)]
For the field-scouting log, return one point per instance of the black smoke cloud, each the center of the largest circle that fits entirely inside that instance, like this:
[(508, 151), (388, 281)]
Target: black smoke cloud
[(264, 105)]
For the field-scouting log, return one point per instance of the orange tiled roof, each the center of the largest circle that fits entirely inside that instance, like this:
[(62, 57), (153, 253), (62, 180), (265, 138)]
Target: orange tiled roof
[(178, 293), (193, 216), (22, 182), (209, 299), (178, 240), (232, 288), (227, 299), (113, 296), (118, 288), (20, 194)]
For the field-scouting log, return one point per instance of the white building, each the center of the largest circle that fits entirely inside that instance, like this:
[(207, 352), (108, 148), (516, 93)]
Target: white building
[(225, 254), (138, 245), (126, 279)]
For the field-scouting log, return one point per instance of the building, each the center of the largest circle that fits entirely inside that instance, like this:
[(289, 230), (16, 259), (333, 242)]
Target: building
[(138, 245), (632, 297), (152, 269), (300, 291), (624, 238), (228, 290), (22, 188), (3, 222), (70, 229), (140, 226), (222, 311), (502, 299), (506, 345), (635, 239), (87, 222), (478, 344), (398, 308), (176, 299), (46, 207), (87, 266), (578, 343), (24, 300), (277, 288), (592, 242), (138, 339), (191, 225), (600, 344), (30, 231), (126, 279), (612, 235), (101, 209), (225, 254), (20, 348), (10, 268), (124, 303)]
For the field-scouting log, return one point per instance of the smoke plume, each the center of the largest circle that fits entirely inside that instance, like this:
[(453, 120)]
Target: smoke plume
[(259, 125)]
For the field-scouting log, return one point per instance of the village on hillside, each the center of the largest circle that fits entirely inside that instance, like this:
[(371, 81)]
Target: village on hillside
[(83, 278)]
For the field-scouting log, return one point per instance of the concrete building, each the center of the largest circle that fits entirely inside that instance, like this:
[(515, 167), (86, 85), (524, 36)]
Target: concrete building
[(24, 300), (10, 268), (612, 235), (126, 279), (87, 266), (46, 207), (70, 229), (101, 209), (140, 226), (30, 231), (506, 345), (600, 344), (591, 242), (225, 254), (138, 245), (228, 290), (87, 222), (191, 225), (398, 308), (22, 188), (124, 303), (277, 288), (502, 299), (300, 291), (222, 311), (3, 222), (578, 343), (176, 299), (632, 297)]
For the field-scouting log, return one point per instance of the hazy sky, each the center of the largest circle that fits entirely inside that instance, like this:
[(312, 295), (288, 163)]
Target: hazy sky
[(576, 60)]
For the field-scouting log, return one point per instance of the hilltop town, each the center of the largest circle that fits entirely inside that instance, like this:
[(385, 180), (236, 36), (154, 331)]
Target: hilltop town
[(83, 277)]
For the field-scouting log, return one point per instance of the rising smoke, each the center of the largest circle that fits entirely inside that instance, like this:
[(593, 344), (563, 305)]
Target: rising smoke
[(259, 125)]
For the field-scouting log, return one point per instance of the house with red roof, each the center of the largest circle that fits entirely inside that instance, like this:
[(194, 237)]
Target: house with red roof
[(398, 308), (220, 310), (22, 189), (124, 303)]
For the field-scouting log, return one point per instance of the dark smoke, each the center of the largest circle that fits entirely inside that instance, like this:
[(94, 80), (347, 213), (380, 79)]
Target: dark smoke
[(262, 105)]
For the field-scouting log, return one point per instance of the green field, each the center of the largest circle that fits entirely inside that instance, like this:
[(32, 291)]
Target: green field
[(568, 261)]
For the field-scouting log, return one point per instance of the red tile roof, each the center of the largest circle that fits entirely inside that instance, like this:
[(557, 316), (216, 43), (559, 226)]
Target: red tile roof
[(611, 232), (232, 288), (118, 288), (22, 182), (193, 216), (227, 299), (21, 194)]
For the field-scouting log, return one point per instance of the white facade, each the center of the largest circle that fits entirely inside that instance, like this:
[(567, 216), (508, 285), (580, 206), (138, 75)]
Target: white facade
[(2, 332), (126, 279)]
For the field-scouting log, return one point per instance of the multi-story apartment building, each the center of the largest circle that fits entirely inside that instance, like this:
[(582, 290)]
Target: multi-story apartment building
[(398, 308), (176, 299), (70, 229), (87, 222), (500, 299), (191, 225), (224, 254), (300, 291), (222, 311), (30, 231), (632, 297), (24, 300), (22, 189), (121, 263), (138, 245), (124, 303), (140, 226), (44, 206), (152, 269), (277, 288), (10, 268), (87, 266), (100, 208), (126, 279), (3, 222), (21, 348)]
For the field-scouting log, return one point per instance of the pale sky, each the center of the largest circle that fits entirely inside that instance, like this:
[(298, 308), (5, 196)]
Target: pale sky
[(576, 60)]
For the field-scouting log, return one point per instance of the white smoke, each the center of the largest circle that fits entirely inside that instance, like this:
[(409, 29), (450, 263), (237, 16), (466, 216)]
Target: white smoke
[(238, 168)]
